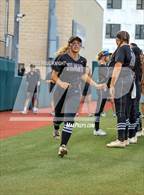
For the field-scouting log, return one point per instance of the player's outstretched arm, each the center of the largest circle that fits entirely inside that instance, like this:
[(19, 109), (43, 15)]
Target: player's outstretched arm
[(89, 80)]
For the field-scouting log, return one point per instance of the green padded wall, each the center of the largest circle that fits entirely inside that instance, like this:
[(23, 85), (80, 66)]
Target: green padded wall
[(9, 84)]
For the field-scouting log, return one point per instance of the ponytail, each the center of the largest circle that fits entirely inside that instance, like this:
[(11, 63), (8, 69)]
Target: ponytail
[(117, 49), (100, 55), (62, 50)]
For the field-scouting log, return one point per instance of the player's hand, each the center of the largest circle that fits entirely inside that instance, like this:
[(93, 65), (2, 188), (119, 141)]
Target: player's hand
[(50, 81), (62, 84), (112, 92), (101, 86)]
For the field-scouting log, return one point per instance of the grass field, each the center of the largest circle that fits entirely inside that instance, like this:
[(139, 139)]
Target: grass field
[(29, 165)]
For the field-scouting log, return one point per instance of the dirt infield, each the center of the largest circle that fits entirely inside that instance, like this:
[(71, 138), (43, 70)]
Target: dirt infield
[(10, 127), (12, 124)]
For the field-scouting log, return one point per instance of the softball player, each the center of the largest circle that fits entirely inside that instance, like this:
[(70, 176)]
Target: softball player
[(138, 77), (103, 58), (33, 84), (121, 85), (68, 70)]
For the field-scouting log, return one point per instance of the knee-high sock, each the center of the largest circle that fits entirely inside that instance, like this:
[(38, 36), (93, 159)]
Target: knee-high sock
[(121, 131), (131, 130), (140, 123), (56, 126), (66, 133), (97, 123), (137, 124), (126, 130)]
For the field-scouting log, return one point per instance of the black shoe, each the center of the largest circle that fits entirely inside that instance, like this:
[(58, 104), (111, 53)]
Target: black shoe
[(62, 151), (56, 134)]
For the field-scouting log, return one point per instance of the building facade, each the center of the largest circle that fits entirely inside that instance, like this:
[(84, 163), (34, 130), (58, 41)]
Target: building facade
[(123, 15), (81, 17)]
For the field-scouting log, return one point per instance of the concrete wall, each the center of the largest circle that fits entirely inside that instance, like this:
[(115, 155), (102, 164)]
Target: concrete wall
[(2, 22), (2, 19), (64, 13), (33, 31), (90, 15)]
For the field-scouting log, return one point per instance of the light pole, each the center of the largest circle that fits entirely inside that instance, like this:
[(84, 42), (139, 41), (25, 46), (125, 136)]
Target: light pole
[(16, 34), (52, 30), (6, 25)]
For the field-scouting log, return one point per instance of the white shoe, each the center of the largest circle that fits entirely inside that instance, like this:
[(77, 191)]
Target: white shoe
[(100, 132), (114, 114), (103, 114), (62, 151), (139, 134), (90, 115), (116, 144), (24, 112), (127, 142), (133, 140), (143, 132), (35, 110), (52, 113)]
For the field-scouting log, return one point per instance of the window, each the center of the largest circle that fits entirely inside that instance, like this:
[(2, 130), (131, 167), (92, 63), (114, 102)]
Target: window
[(140, 4), (139, 31), (114, 4), (111, 30)]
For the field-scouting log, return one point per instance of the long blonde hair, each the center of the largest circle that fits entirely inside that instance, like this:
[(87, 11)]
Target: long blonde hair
[(62, 50)]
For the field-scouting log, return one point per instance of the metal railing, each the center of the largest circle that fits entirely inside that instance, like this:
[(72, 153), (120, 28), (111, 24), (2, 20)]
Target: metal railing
[(2, 48), (7, 47)]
